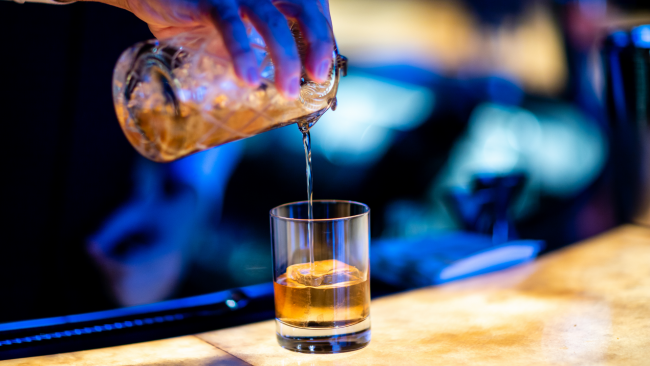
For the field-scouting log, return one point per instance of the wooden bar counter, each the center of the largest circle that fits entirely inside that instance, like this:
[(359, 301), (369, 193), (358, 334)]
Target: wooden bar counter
[(588, 304)]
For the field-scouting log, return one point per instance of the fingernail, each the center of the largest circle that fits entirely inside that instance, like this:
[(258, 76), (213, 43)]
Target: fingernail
[(252, 76), (293, 89), (323, 70)]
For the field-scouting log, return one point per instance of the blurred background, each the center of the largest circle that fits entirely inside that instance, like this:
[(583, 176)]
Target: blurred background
[(464, 125)]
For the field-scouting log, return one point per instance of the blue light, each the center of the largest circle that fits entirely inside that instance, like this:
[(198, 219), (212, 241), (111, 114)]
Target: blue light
[(437, 258), (264, 289), (254, 291), (620, 38), (208, 171), (504, 91), (560, 149), (88, 330), (507, 255), (371, 110), (641, 36), (231, 303)]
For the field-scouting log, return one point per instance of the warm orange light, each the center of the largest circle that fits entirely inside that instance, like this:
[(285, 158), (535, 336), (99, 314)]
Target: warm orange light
[(444, 36)]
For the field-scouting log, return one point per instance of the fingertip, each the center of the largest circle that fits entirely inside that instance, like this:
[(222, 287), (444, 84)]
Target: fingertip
[(319, 39), (319, 58), (247, 71), (288, 77), (322, 71), (291, 88), (227, 19), (252, 77)]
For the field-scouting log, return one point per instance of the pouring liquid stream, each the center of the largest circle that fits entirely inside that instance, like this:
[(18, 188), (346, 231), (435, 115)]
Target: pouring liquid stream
[(306, 141)]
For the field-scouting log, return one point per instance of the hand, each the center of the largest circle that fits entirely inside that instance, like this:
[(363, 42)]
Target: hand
[(167, 18)]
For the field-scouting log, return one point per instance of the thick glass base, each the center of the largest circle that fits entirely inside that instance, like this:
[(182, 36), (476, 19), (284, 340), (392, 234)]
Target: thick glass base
[(332, 340)]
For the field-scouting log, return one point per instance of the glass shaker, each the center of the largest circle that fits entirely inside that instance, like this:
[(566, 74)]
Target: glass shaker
[(178, 96)]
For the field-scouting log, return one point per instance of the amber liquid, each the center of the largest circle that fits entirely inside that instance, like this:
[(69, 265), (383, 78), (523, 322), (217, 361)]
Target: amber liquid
[(161, 135), (325, 306)]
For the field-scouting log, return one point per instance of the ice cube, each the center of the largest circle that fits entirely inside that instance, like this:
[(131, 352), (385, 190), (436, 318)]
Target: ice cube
[(324, 273)]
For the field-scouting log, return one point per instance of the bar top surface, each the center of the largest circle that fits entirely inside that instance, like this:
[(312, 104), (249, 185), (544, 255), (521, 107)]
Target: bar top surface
[(587, 304)]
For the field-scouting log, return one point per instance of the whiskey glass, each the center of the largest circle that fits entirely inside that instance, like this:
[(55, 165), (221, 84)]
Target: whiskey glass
[(324, 306)]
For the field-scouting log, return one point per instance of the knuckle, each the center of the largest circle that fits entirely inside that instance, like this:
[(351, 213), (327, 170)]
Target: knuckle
[(309, 10), (229, 17), (224, 11), (316, 28), (287, 56), (270, 16), (290, 8), (322, 39)]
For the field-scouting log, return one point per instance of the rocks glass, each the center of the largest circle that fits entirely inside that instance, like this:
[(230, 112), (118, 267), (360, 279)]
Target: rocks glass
[(324, 306)]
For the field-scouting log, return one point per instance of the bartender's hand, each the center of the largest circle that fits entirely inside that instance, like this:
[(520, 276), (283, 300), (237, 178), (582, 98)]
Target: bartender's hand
[(167, 18)]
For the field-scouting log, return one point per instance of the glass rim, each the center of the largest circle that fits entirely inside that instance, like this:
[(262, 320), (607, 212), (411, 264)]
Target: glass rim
[(320, 220)]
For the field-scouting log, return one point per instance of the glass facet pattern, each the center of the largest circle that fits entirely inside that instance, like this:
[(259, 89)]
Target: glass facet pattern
[(178, 96)]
